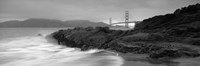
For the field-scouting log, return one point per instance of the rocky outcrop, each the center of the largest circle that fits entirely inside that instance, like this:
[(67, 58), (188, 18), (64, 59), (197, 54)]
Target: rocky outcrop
[(122, 41), (87, 38), (174, 53), (172, 35), (186, 16)]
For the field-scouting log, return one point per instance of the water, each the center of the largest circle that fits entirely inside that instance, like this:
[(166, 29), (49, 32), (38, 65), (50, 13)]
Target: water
[(23, 47)]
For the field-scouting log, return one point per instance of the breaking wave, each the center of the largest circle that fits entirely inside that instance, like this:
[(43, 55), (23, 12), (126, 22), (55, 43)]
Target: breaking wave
[(37, 51)]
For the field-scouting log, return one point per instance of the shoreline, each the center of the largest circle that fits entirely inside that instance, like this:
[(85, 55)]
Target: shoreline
[(144, 60), (133, 59), (154, 45)]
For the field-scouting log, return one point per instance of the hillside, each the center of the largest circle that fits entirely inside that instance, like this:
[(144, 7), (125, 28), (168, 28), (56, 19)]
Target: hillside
[(186, 16), (171, 36), (44, 23)]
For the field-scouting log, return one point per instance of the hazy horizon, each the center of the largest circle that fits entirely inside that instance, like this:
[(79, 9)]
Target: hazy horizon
[(93, 10)]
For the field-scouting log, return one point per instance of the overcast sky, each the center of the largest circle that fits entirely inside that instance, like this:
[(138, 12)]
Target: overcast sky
[(94, 10)]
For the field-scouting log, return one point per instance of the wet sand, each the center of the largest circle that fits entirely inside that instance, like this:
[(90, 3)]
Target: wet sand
[(143, 60), (133, 59)]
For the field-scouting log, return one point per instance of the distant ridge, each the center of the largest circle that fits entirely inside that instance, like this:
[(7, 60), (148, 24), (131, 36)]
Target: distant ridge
[(48, 23)]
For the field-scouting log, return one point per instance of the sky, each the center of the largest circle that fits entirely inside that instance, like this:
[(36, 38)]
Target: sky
[(93, 10)]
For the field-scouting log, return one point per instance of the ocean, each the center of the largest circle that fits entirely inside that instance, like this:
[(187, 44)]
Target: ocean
[(24, 47)]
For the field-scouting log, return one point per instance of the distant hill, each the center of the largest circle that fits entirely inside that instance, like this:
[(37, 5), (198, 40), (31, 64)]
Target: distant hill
[(84, 23), (45, 23)]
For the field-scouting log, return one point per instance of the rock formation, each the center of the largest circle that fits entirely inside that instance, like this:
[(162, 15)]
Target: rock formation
[(172, 35)]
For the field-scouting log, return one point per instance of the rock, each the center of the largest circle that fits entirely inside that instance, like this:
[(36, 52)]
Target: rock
[(120, 41), (192, 41), (39, 34), (156, 37), (183, 16), (136, 37), (174, 53), (180, 27), (165, 53)]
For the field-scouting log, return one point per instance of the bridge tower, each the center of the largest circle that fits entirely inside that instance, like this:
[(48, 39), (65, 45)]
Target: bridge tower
[(126, 19), (110, 21)]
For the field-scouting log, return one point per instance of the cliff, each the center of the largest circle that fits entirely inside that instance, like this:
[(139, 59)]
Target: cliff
[(184, 17), (155, 45), (172, 35)]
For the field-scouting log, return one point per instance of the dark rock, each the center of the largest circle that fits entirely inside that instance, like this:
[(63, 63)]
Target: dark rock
[(183, 16), (193, 41), (119, 41), (181, 28), (165, 53), (174, 53)]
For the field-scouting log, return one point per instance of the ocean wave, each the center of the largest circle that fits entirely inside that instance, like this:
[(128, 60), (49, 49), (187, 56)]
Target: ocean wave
[(37, 51)]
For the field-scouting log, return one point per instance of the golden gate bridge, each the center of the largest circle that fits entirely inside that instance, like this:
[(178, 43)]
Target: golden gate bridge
[(126, 22)]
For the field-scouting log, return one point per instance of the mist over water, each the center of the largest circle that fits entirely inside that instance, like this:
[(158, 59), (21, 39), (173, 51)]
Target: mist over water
[(37, 51), (23, 47)]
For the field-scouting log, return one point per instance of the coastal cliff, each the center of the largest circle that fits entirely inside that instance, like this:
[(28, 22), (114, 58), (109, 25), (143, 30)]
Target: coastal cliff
[(171, 35)]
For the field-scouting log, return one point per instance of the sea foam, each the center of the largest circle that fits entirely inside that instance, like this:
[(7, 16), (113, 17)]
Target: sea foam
[(37, 51)]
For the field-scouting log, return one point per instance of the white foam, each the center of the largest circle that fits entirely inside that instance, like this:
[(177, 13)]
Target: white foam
[(36, 51)]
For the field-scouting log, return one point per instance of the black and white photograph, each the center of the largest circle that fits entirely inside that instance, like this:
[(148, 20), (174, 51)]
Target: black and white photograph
[(99, 32)]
